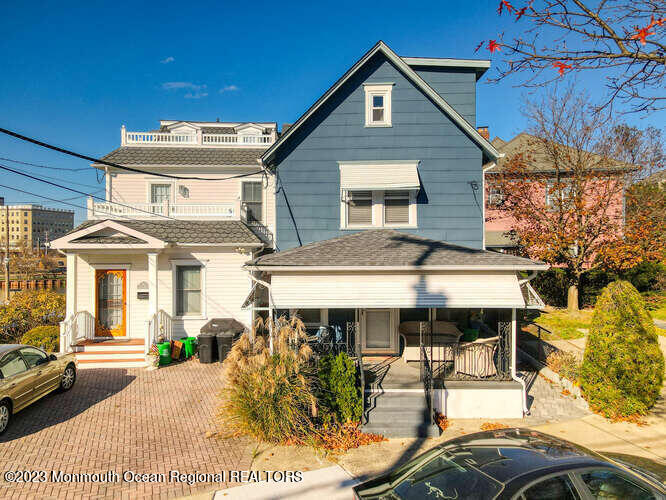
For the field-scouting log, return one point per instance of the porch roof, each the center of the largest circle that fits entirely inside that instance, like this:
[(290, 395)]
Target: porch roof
[(389, 249), (170, 231)]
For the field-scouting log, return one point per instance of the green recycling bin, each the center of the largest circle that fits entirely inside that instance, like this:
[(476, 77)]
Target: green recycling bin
[(189, 345), (165, 353)]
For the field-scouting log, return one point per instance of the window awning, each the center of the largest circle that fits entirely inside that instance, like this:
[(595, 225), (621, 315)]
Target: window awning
[(394, 289), (379, 175)]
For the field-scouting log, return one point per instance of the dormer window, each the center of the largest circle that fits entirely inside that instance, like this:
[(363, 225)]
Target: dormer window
[(378, 104)]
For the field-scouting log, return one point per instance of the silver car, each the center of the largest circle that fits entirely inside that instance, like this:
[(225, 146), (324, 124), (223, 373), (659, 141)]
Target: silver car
[(28, 374)]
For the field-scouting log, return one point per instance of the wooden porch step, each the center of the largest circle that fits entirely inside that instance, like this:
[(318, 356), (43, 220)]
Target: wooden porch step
[(109, 342)]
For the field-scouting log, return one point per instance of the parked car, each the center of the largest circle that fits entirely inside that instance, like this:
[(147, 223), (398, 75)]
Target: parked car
[(28, 374), (517, 464)]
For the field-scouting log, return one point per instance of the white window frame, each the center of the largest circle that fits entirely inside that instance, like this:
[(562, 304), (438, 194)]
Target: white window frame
[(175, 263), (378, 211), (323, 317), (149, 189), (564, 192), (411, 199), (378, 89), (263, 195)]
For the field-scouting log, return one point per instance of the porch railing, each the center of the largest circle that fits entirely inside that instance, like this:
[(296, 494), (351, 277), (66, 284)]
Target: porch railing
[(256, 226), (353, 338), (103, 209), (79, 326), (159, 325)]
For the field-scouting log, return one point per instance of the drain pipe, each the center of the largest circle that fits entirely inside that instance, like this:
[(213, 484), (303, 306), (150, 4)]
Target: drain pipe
[(514, 329)]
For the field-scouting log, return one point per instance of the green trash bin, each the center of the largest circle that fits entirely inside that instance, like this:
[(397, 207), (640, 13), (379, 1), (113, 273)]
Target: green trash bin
[(165, 353), (189, 345)]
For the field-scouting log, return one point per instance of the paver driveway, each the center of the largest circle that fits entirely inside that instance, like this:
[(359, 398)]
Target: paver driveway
[(122, 420)]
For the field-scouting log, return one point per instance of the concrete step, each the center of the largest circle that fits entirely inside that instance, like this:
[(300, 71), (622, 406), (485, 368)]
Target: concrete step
[(103, 347), (397, 403), (405, 418), (110, 355), (403, 430), (111, 363)]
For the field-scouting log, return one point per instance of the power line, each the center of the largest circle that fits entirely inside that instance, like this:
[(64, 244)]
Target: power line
[(44, 166), (115, 165), (9, 169), (57, 179)]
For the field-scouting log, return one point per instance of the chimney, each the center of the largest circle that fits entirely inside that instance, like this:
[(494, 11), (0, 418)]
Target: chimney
[(484, 132)]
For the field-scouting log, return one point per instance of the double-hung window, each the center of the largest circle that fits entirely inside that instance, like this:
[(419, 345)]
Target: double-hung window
[(189, 290), (159, 194), (564, 193), (359, 208), (251, 196), (378, 104)]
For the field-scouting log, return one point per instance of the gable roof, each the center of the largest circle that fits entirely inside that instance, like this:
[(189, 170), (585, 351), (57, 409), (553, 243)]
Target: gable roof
[(387, 248), (489, 150), (540, 163)]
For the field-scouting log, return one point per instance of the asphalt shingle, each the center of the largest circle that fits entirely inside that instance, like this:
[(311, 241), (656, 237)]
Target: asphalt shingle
[(387, 247), (139, 155)]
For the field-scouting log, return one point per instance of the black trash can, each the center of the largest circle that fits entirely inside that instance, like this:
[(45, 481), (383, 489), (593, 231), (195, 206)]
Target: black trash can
[(207, 348), (224, 341), (224, 329)]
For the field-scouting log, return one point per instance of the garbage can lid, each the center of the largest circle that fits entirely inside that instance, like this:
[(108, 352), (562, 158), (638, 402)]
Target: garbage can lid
[(217, 325)]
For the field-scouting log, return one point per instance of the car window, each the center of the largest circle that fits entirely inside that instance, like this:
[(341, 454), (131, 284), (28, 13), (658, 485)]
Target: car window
[(34, 357), (12, 364), (611, 485), (554, 488)]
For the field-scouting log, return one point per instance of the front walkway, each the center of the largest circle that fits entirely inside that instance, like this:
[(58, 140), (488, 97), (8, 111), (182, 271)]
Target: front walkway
[(123, 420)]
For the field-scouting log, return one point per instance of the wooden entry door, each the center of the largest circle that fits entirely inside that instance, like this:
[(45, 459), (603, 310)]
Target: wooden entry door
[(110, 302)]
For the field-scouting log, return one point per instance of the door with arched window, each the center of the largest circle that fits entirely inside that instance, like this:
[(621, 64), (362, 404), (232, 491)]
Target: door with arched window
[(110, 303)]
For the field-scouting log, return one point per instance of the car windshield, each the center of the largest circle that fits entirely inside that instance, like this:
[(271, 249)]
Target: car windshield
[(447, 476)]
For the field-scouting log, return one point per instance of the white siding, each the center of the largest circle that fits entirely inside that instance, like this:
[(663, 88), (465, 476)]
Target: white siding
[(365, 289), (226, 286)]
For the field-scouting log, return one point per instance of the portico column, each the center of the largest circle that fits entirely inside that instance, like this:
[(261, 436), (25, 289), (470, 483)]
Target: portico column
[(152, 284), (70, 296)]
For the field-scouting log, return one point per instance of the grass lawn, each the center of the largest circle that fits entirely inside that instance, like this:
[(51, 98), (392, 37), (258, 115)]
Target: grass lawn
[(660, 312), (565, 324)]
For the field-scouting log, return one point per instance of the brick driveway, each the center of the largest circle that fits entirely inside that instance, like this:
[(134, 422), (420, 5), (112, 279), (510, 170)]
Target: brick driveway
[(122, 420)]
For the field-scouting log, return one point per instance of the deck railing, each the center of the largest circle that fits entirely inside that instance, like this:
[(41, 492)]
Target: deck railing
[(104, 209), (132, 138)]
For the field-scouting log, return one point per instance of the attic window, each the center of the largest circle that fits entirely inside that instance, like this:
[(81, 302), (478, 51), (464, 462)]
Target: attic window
[(378, 104)]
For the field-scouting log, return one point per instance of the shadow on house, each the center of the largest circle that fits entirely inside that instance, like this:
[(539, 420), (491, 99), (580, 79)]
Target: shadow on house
[(92, 387)]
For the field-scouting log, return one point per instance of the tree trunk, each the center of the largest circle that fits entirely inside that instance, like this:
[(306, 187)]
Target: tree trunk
[(572, 298)]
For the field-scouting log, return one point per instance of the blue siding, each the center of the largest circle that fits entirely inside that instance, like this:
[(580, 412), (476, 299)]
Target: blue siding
[(456, 85), (308, 204)]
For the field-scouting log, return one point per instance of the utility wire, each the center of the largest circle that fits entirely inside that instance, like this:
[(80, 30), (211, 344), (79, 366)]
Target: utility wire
[(5, 167), (116, 165), (44, 166), (58, 179)]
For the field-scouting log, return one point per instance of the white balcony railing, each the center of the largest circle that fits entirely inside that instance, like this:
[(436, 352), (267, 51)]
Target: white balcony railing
[(195, 139), (105, 210)]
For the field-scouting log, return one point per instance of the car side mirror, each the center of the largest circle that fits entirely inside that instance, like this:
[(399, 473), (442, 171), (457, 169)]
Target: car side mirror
[(53, 357)]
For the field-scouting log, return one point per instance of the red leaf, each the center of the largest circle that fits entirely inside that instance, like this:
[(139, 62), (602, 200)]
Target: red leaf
[(520, 13), (656, 22), (561, 67), (493, 46), (502, 4), (479, 46), (641, 34)]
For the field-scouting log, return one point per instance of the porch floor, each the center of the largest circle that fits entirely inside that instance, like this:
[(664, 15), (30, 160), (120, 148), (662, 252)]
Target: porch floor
[(391, 373)]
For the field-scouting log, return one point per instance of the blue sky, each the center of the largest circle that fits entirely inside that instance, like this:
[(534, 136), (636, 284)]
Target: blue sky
[(73, 73)]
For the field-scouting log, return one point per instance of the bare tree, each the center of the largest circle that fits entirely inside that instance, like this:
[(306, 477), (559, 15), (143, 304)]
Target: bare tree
[(563, 190), (622, 40)]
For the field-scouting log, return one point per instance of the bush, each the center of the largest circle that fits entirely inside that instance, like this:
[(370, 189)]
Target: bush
[(339, 393), (564, 363), (46, 337), (29, 309), (269, 397), (552, 286), (623, 367)]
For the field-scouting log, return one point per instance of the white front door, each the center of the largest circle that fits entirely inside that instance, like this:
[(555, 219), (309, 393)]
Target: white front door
[(378, 335)]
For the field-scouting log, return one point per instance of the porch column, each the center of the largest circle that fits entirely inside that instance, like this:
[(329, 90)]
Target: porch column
[(152, 284), (514, 347), (70, 308)]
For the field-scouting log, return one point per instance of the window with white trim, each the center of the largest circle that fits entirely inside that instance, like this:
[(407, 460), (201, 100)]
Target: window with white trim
[(565, 193), (396, 207), (378, 208), (251, 197), (159, 193), (359, 208), (188, 290), (378, 104), (495, 195)]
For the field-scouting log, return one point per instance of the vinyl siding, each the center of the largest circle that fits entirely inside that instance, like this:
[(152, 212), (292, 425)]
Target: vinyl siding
[(309, 174), (456, 85), (226, 287)]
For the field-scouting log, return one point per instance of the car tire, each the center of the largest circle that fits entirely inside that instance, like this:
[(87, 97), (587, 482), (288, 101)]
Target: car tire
[(5, 416), (68, 378)]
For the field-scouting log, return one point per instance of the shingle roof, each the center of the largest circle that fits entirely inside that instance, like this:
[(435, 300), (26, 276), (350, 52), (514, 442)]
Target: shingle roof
[(111, 240), (386, 247), (539, 161), (186, 231), (138, 155)]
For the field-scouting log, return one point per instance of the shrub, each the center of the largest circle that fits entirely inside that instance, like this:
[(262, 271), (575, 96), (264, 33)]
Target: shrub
[(269, 396), (339, 393), (565, 364), (46, 337), (29, 309), (623, 367), (552, 287)]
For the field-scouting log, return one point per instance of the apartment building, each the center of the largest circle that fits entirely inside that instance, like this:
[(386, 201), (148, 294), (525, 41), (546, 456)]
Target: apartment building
[(33, 224)]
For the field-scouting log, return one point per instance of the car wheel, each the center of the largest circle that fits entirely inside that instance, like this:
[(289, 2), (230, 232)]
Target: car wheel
[(68, 378), (5, 416)]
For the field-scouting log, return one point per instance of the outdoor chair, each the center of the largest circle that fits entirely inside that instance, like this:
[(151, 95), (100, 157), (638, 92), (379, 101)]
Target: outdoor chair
[(476, 359)]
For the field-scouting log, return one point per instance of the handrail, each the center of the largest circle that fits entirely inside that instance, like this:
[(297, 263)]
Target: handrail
[(80, 325), (160, 323)]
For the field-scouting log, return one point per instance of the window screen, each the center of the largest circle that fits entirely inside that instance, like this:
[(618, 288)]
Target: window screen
[(396, 207), (188, 290), (359, 208)]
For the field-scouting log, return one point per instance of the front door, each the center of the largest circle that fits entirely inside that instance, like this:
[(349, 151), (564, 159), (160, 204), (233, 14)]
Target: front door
[(110, 303), (378, 332)]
